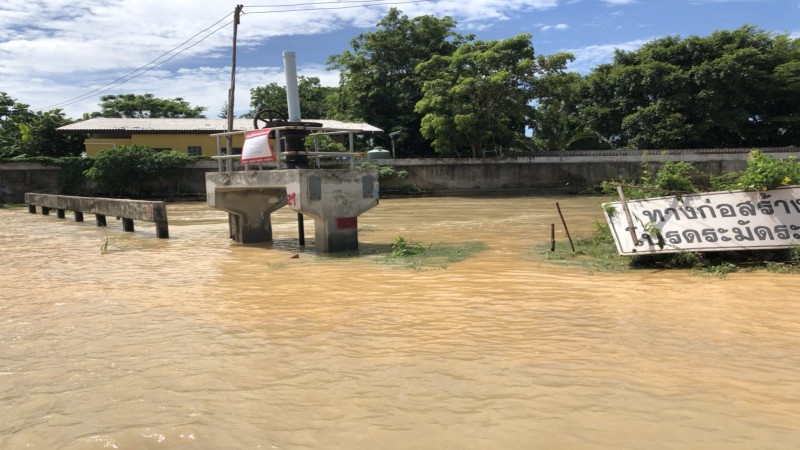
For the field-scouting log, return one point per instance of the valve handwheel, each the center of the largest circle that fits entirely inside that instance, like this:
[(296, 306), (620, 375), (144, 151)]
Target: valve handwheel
[(270, 117)]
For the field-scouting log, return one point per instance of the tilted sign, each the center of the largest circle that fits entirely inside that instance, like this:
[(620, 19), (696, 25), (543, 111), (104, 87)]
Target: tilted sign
[(711, 221), (257, 148)]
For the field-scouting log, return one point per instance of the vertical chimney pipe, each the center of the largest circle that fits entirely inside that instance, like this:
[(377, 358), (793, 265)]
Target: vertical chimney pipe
[(292, 95)]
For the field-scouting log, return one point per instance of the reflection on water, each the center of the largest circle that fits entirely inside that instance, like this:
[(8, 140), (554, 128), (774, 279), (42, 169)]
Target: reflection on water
[(197, 342)]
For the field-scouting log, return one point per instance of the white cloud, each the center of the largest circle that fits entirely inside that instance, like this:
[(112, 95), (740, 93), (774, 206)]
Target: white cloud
[(559, 27), (587, 58)]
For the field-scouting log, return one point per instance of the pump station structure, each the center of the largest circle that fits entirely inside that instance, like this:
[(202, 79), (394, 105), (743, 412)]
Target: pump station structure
[(334, 198)]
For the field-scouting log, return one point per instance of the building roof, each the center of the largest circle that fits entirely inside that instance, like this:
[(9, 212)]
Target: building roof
[(191, 126)]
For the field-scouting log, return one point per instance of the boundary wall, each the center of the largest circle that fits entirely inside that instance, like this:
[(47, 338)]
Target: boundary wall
[(569, 172)]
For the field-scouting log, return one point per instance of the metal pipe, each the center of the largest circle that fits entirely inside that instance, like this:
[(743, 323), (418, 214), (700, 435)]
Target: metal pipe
[(292, 95)]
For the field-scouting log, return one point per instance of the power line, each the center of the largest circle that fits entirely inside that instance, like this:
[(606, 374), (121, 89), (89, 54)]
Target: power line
[(143, 69), (388, 2), (158, 61), (360, 4)]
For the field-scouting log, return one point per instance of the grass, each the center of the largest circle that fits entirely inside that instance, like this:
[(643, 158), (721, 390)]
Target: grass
[(412, 255), (594, 252), (597, 252)]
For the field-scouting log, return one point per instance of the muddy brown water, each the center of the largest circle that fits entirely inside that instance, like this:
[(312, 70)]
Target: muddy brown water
[(197, 342)]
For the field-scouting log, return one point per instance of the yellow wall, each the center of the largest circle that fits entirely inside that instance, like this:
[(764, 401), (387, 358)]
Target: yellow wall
[(177, 142)]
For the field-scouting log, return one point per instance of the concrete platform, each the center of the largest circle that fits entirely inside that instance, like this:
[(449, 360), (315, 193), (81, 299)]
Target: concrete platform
[(333, 197)]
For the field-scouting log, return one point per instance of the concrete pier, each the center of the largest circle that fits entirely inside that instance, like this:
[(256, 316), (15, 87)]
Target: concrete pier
[(128, 210), (333, 197)]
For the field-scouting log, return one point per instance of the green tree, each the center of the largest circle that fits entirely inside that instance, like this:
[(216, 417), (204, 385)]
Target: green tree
[(27, 133), (145, 106), (731, 89), (478, 97), (40, 138), (315, 100), (378, 82), (12, 114), (556, 122)]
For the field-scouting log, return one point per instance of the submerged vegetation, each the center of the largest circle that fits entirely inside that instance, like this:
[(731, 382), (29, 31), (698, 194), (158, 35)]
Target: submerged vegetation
[(412, 255)]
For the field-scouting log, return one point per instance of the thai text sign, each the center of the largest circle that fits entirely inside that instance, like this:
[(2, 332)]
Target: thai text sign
[(711, 221), (257, 148)]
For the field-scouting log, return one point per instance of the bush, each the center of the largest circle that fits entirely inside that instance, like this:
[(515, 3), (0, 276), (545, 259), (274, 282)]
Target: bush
[(384, 172), (125, 171), (671, 176), (763, 172)]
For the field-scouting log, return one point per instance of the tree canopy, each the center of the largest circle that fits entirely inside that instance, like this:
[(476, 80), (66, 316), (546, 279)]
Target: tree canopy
[(735, 88), (378, 81), (479, 96), (27, 133), (314, 98), (135, 106)]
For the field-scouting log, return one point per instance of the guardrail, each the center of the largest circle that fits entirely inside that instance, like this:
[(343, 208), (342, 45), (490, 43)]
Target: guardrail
[(127, 210)]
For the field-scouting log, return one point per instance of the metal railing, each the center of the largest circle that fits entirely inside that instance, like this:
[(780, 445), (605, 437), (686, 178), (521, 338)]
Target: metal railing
[(316, 132)]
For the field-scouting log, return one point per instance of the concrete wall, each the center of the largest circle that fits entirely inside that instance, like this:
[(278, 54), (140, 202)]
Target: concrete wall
[(557, 172), (549, 172), (20, 177)]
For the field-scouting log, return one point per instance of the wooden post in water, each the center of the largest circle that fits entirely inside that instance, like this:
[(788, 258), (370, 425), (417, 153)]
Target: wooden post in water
[(565, 226), (552, 237)]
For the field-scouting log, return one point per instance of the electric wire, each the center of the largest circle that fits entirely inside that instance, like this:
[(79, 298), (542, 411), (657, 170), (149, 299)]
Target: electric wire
[(361, 4), (387, 2), (143, 69), (158, 61)]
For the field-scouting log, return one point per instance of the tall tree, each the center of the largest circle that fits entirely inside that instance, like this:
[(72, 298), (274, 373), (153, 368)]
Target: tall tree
[(40, 138), (557, 123), (731, 89), (146, 106), (378, 83), (478, 97), (314, 98), (27, 133)]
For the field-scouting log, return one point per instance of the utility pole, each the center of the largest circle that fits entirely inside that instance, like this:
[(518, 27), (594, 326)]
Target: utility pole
[(236, 14), (232, 219)]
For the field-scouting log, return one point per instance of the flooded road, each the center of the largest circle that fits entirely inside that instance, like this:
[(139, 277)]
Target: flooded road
[(198, 342)]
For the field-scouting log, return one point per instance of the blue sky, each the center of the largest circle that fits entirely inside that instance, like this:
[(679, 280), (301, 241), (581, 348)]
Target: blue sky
[(67, 53)]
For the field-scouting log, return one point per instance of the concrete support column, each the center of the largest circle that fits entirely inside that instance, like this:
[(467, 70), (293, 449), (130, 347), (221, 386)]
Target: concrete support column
[(162, 229), (78, 216), (32, 209), (45, 211), (127, 225), (60, 213), (100, 219), (251, 211), (336, 234)]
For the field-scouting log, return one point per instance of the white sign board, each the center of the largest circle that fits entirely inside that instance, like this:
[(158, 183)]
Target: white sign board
[(711, 221), (257, 148)]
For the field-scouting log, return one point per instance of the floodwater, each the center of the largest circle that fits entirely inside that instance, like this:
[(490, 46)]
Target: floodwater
[(197, 342)]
